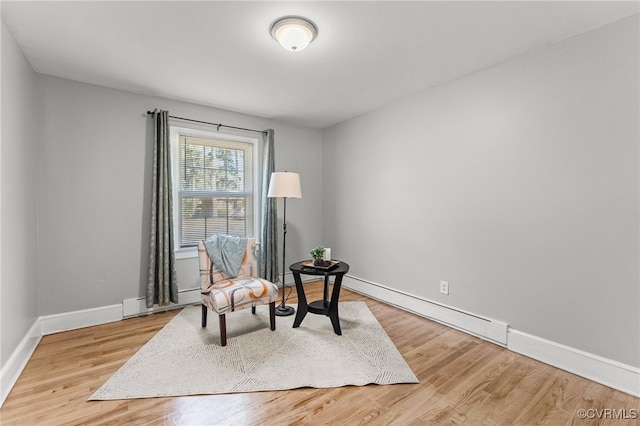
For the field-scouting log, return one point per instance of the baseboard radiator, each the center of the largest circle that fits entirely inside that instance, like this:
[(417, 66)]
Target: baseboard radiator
[(623, 377), (486, 328)]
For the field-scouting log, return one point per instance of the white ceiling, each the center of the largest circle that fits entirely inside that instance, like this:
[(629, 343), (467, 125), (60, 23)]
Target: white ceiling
[(221, 54)]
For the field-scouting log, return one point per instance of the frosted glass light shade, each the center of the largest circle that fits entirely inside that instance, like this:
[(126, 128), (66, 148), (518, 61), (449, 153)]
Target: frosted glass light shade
[(294, 33), (284, 184)]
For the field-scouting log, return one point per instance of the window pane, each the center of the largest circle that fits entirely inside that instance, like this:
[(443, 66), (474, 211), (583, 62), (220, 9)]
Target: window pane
[(215, 190), (202, 217)]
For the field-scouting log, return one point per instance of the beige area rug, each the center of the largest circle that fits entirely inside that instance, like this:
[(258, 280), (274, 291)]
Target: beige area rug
[(186, 359)]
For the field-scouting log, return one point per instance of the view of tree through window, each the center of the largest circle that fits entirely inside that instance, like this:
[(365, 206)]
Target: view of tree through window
[(216, 188)]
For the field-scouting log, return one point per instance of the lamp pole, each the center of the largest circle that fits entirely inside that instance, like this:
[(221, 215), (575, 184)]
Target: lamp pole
[(284, 310)]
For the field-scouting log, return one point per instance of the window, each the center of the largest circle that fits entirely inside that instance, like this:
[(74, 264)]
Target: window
[(214, 183)]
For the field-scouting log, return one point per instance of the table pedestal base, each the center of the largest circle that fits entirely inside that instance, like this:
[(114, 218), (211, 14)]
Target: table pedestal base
[(321, 307)]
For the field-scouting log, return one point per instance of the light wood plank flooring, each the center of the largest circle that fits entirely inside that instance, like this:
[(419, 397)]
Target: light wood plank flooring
[(463, 380)]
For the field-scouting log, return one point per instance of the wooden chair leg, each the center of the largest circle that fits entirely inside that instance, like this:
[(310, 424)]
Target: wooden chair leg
[(204, 315), (272, 315), (223, 330)]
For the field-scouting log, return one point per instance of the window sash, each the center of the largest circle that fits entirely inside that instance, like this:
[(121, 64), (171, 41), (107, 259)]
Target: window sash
[(215, 180)]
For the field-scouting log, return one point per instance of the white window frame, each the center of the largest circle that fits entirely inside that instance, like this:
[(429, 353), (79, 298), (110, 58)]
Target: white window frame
[(175, 133)]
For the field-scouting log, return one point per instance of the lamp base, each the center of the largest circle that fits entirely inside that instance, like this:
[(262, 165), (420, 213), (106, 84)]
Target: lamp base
[(284, 310)]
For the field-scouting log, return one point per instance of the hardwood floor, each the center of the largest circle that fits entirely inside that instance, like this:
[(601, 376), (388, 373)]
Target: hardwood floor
[(463, 380)]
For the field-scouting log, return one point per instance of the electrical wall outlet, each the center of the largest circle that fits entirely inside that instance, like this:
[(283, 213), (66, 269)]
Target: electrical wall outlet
[(444, 287)]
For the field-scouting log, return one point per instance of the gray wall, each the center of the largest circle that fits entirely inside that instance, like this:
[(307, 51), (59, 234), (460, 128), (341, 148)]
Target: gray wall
[(18, 198), (517, 184), (94, 191)]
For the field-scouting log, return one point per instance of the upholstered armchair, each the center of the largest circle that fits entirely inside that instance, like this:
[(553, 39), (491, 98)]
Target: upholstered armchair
[(223, 293)]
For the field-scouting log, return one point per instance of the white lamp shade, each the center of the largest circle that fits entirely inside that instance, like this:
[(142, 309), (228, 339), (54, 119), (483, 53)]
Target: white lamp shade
[(293, 37), (284, 185)]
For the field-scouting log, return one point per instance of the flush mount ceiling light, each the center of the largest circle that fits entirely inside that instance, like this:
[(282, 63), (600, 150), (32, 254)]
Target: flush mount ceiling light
[(294, 33)]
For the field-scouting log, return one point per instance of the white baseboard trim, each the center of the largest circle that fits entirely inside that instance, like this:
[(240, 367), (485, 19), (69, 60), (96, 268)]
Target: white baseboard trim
[(614, 374), (49, 324), (18, 360), (66, 321), (138, 306), (486, 328), (608, 372)]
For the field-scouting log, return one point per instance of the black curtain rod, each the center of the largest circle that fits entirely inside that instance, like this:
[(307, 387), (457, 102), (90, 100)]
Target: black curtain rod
[(218, 125)]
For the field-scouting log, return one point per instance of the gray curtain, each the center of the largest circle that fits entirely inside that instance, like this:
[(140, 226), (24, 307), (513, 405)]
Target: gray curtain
[(269, 243), (162, 285)]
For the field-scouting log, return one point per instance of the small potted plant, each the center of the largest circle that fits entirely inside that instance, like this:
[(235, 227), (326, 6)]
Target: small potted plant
[(318, 256)]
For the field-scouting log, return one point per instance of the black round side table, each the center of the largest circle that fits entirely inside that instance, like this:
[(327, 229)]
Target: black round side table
[(325, 306)]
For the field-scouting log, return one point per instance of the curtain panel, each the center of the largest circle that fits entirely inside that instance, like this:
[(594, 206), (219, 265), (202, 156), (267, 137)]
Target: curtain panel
[(162, 283), (269, 244)]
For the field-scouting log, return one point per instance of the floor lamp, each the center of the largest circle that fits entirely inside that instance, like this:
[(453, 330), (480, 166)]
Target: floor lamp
[(284, 185)]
